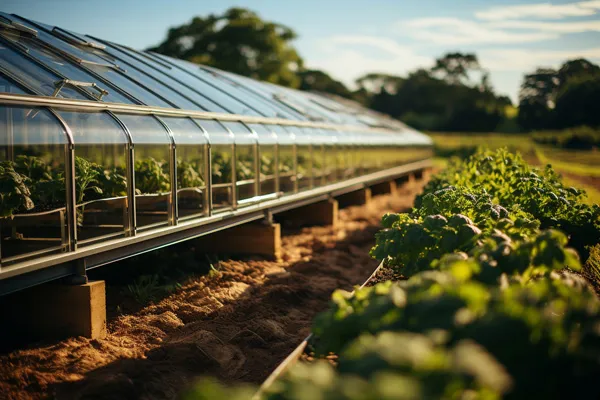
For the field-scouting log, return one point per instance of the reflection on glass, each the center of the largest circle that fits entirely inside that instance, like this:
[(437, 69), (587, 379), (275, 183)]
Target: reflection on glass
[(246, 160), (268, 158), (100, 175), (36, 77), (286, 139), (152, 169), (32, 183), (191, 145), (221, 150), (64, 67)]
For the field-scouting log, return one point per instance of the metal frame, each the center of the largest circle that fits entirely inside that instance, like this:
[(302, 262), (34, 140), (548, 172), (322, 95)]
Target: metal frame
[(87, 105), (42, 269)]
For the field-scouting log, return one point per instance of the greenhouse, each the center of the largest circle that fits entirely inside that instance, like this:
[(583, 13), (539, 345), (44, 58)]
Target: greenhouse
[(105, 147)]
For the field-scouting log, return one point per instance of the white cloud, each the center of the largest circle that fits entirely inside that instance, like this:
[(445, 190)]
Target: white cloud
[(349, 56), (554, 27), (525, 60), (454, 31), (540, 11)]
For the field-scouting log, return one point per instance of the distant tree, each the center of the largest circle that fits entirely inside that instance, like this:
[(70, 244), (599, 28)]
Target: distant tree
[(541, 90), (238, 41), (578, 101), (536, 99), (376, 82), (578, 69), (454, 68), (319, 81)]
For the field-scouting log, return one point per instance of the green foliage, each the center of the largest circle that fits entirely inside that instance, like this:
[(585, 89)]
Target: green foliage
[(578, 138), (557, 99), (512, 183), (221, 168), (112, 181), (238, 41), (547, 328), (33, 167), (86, 179), (14, 193), (188, 176), (150, 176)]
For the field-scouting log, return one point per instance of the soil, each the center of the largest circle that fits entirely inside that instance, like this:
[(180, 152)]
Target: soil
[(236, 324)]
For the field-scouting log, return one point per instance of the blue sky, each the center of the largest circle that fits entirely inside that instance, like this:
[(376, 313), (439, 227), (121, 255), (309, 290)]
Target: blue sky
[(348, 38)]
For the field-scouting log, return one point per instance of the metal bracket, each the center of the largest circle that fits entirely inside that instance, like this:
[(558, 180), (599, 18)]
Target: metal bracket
[(61, 83)]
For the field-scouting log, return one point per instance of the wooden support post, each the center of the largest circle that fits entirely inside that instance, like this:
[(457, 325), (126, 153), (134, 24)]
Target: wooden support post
[(384, 188), (356, 198), (253, 238), (321, 213), (58, 311)]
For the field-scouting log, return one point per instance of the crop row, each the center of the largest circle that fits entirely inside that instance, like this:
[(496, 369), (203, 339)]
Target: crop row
[(31, 183), (493, 305)]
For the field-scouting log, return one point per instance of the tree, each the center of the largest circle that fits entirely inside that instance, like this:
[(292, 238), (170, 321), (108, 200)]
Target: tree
[(319, 81), (536, 99), (454, 68), (579, 68), (541, 89), (238, 41), (377, 82), (577, 102)]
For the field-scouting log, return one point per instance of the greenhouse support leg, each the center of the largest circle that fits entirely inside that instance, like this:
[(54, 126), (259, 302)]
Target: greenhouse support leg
[(321, 213), (58, 311), (356, 198), (384, 188), (261, 238)]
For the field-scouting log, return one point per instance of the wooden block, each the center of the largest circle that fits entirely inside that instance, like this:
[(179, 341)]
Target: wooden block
[(252, 238), (321, 213), (356, 198), (384, 188), (57, 310)]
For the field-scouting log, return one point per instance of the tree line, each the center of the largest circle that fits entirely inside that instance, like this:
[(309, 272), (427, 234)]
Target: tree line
[(454, 95)]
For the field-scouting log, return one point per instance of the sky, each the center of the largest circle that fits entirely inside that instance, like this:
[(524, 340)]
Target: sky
[(348, 38)]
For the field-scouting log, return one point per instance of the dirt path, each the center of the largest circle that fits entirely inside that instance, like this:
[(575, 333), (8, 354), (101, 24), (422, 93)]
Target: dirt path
[(237, 324)]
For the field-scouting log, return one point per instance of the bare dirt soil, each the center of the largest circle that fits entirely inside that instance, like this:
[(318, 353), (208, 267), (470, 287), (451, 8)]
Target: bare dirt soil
[(236, 324)]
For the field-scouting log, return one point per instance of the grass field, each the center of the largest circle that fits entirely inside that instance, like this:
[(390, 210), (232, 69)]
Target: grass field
[(580, 168)]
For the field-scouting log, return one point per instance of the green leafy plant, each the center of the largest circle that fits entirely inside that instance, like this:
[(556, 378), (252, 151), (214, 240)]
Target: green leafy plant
[(150, 176), (188, 176), (15, 195)]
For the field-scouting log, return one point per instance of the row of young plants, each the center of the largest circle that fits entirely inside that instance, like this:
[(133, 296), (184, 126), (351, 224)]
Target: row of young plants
[(493, 305)]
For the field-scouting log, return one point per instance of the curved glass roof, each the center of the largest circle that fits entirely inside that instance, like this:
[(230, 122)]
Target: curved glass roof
[(45, 60)]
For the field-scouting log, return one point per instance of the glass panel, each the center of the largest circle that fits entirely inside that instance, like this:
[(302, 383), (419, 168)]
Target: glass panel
[(221, 148), (251, 88), (60, 44), (152, 169), (191, 152), (33, 206), (305, 156), (321, 161), (202, 94), (64, 67), (100, 175), (38, 78), (286, 138), (229, 96), (246, 160), (8, 86), (268, 157)]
